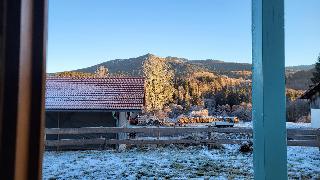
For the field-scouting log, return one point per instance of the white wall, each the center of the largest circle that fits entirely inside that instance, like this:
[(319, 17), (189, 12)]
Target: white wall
[(315, 118)]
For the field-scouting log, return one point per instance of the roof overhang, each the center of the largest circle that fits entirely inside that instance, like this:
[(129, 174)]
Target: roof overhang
[(310, 92)]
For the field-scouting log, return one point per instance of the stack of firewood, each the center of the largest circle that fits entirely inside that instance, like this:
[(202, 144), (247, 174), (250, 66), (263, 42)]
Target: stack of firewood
[(188, 120)]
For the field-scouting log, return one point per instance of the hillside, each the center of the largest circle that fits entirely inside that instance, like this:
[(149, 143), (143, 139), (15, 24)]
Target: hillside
[(133, 66), (299, 80), (300, 68), (297, 77), (221, 66)]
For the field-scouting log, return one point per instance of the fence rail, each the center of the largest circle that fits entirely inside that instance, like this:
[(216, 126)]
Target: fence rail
[(296, 137)]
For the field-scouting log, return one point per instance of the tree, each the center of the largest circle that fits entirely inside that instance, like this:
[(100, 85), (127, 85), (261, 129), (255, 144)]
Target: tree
[(102, 71), (73, 74), (292, 94), (187, 98), (159, 83), (316, 75)]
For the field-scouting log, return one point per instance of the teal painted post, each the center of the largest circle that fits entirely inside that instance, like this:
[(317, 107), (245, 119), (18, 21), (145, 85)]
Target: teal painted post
[(269, 129)]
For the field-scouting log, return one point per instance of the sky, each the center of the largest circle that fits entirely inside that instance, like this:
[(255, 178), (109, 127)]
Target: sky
[(83, 33)]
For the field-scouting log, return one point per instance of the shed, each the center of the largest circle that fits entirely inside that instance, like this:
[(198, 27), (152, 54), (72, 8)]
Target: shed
[(313, 95), (92, 102)]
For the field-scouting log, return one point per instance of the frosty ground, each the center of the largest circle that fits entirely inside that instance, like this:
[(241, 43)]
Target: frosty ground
[(173, 162)]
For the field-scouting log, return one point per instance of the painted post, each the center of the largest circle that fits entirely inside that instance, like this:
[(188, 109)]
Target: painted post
[(268, 95)]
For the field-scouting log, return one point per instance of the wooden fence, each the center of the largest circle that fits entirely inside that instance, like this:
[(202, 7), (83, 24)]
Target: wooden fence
[(295, 137)]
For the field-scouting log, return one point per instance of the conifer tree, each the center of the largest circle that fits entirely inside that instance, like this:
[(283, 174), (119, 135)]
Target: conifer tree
[(316, 75)]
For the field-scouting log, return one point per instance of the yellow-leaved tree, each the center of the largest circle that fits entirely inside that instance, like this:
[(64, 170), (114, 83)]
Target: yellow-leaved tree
[(102, 72), (159, 83)]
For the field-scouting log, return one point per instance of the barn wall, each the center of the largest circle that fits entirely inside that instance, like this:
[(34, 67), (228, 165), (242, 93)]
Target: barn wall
[(315, 101), (77, 120)]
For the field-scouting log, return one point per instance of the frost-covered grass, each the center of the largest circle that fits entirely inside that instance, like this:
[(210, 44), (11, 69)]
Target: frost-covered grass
[(175, 162)]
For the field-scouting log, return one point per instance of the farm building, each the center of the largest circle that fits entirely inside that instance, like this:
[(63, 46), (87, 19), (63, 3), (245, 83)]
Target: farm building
[(313, 95), (92, 102)]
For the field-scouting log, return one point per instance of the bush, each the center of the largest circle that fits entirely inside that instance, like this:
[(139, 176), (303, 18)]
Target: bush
[(246, 147), (298, 110), (304, 119), (223, 110), (174, 110), (242, 111)]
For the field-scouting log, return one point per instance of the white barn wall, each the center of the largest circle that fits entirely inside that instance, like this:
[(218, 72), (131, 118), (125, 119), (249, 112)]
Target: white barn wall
[(315, 118)]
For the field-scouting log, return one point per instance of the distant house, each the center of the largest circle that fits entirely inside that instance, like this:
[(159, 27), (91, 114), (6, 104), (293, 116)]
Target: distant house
[(92, 102), (313, 95)]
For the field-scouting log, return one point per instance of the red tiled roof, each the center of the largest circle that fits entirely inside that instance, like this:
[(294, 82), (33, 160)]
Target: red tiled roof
[(123, 93)]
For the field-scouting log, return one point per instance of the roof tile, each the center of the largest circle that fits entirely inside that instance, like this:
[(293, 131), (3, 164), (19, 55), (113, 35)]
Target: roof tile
[(121, 93)]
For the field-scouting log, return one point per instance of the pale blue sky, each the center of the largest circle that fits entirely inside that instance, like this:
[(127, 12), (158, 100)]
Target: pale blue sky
[(86, 32)]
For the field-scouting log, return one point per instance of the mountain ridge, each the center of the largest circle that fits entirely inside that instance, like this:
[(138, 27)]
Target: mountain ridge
[(212, 64), (297, 77)]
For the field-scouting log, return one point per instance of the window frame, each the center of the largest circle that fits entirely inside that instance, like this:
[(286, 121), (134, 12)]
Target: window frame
[(23, 41)]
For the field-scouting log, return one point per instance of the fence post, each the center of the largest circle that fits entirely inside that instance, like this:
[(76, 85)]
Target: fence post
[(209, 132), (158, 136), (209, 136), (318, 138)]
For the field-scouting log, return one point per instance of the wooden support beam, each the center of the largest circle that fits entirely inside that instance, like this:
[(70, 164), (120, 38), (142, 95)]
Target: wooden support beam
[(122, 122), (76, 143), (22, 65), (102, 141), (307, 143), (269, 128), (169, 130)]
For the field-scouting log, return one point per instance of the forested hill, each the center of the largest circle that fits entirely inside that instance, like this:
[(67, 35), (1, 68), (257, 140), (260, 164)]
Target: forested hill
[(133, 66), (297, 77), (221, 66)]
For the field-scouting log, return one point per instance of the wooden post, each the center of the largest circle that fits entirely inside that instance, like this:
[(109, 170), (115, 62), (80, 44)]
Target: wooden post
[(158, 134), (268, 97), (22, 79), (122, 122), (209, 145), (58, 147), (318, 139)]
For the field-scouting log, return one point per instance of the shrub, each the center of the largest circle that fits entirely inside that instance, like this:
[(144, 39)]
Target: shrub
[(174, 110), (297, 110), (242, 111), (223, 110), (246, 147)]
